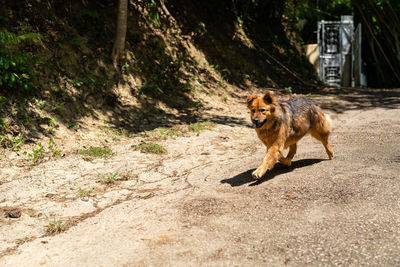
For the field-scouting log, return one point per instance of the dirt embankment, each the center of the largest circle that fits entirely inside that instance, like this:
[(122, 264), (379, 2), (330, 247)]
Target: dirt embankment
[(197, 204)]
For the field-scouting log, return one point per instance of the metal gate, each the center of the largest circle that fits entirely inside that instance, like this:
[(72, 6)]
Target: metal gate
[(337, 54)]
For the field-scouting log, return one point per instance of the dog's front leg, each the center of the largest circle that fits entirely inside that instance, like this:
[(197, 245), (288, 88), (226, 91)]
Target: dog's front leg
[(273, 155)]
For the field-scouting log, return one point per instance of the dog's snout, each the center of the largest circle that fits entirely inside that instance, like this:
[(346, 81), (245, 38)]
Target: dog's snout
[(258, 123)]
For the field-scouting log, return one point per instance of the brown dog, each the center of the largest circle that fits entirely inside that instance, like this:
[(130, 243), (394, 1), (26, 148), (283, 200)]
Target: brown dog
[(282, 125)]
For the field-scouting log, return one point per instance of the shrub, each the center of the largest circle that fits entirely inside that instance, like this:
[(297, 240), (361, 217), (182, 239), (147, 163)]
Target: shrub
[(17, 66)]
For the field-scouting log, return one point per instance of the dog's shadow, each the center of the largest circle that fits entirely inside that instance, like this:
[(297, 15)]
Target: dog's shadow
[(246, 178)]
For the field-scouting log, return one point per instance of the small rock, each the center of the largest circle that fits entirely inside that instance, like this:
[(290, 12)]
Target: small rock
[(14, 213)]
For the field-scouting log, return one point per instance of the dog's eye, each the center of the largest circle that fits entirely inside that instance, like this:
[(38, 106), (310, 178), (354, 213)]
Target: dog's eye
[(262, 110), (253, 110)]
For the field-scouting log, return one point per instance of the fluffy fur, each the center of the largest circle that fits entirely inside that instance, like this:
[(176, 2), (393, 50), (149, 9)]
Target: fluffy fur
[(282, 125)]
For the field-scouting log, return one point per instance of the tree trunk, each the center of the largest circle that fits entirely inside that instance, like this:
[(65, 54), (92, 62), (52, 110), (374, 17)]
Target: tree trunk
[(119, 42)]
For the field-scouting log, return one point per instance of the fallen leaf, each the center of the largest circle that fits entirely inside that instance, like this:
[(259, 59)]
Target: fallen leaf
[(146, 195)]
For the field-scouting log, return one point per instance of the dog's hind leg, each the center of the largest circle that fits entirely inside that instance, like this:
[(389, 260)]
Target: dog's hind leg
[(323, 138), (321, 129), (288, 160)]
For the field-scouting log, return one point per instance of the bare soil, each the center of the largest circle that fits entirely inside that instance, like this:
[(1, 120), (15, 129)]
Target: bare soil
[(197, 204)]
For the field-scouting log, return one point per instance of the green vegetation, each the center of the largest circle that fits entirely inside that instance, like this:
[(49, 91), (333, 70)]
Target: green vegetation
[(97, 152), (56, 226), (108, 179), (13, 142), (17, 65), (289, 89), (201, 126), (158, 134), (84, 192), (153, 15), (39, 151), (151, 148)]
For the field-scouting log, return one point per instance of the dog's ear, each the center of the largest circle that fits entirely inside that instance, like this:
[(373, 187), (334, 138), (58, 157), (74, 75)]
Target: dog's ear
[(250, 99), (269, 98)]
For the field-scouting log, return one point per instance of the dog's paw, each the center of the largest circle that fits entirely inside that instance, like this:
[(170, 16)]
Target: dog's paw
[(285, 161), (257, 174)]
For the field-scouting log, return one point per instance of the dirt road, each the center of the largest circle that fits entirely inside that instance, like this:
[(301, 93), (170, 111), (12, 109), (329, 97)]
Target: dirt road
[(197, 205)]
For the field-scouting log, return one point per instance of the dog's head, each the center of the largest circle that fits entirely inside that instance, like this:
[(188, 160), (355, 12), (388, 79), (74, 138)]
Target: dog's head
[(262, 109)]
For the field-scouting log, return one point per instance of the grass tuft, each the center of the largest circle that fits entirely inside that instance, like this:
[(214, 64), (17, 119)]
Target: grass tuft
[(151, 148), (108, 179), (201, 126), (55, 227), (84, 192), (97, 152)]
